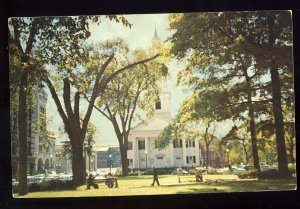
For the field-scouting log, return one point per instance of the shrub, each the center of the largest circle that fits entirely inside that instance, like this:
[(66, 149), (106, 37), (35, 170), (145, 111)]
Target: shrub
[(50, 186), (192, 171), (118, 172), (292, 168), (163, 171), (248, 174)]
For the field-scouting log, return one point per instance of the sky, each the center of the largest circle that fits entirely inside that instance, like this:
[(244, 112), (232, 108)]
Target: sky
[(139, 36)]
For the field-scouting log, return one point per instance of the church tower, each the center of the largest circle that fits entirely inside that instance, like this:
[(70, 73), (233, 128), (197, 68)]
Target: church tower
[(163, 105)]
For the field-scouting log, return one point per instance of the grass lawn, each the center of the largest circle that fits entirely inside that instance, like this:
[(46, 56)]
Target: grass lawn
[(141, 185)]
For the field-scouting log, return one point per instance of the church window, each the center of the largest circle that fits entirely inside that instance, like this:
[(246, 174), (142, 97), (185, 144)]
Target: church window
[(158, 105), (141, 144), (177, 143)]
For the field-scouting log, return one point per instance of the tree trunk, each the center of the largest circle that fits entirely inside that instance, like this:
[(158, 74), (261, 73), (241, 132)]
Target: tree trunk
[(22, 122), (246, 154), (276, 103), (291, 150), (279, 124), (123, 150), (78, 163), (253, 138), (207, 154), (252, 123)]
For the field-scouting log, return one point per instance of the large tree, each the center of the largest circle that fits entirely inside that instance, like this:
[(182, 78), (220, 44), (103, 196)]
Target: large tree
[(37, 41), (238, 45), (130, 97), (90, 79), (239, 135)]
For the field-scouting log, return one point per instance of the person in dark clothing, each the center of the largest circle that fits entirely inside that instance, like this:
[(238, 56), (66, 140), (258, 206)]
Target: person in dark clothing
[(199, 177), (90, 182), (155, 177)]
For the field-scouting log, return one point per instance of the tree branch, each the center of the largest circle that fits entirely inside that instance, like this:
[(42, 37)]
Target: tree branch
[(95, 94), (67, 98), (58, 104), (114, 74)]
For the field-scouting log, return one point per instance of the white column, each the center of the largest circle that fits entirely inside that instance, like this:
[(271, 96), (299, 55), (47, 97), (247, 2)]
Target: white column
[(183, 153), (171, 155), (134, 153), (147, 150), (197, 152)]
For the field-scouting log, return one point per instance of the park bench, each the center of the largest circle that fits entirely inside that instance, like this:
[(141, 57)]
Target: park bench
[(110, 182)]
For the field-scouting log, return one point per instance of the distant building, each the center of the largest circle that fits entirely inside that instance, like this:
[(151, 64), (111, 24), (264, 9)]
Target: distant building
[(38, 155), (215, 160), (108, 156), (142, 149), (62, 162), (63, 159)]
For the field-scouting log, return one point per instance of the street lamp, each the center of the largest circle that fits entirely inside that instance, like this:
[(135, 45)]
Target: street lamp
[(51, 161), (146, 158), (110, 163)]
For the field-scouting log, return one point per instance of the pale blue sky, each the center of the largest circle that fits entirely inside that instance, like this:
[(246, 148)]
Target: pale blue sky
[(138, 36)]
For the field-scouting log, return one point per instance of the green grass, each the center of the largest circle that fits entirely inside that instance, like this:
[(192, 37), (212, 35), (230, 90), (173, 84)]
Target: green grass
[(141, 185)]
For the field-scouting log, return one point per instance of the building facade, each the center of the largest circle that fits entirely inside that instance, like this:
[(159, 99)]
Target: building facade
[(108, 156), (142, 150), (38, 155)]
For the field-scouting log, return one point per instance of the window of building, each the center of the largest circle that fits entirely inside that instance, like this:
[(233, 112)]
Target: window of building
[(190, 143), (158, 105), (57, 165), (213, 156), (190, 159), (177, 143), (40, 148), (129, 145), (160, 158), (141, 144), (178, 158)]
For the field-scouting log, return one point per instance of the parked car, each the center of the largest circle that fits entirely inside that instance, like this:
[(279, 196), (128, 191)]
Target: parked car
[(179, 171), (15, 183)]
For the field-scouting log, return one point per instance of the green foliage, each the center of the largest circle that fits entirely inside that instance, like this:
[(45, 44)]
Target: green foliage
[(248, 174), (165, 137), (44, 133), (271, 174), (52, 185), (192, 171), (88, 143), (233, 52)]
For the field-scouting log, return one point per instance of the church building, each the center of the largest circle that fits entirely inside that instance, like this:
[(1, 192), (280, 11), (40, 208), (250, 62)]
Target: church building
[(142, 150)]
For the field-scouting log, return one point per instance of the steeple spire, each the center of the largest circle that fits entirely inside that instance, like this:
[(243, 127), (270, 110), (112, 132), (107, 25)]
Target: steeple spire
[(155, 34)]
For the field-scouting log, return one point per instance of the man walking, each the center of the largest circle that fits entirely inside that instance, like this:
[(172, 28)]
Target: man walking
[(155, 177)]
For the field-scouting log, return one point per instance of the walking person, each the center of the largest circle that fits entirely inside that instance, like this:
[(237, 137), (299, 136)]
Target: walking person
[(155, 177)]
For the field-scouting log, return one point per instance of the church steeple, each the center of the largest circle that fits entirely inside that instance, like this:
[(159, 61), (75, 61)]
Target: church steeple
[(155, 34), (156, 41)]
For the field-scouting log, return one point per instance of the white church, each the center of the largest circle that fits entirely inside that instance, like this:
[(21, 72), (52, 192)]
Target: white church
[(142, 152)]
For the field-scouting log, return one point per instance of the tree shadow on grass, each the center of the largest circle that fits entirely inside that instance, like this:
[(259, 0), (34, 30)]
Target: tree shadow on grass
[(242, 186)]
